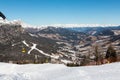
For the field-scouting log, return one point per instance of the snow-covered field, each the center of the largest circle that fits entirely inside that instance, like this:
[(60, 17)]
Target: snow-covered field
[(59, 72)]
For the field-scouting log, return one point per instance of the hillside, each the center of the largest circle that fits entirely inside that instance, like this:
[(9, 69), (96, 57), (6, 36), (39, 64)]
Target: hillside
[(16, 45), (78, 43), (22, 44)]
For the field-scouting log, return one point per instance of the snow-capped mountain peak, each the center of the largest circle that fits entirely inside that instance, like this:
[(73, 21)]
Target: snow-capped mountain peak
[(16, 22), (81, 25), (25, 25)]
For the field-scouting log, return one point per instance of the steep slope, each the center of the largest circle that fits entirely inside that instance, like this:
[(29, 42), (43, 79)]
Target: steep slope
[(13, 45)]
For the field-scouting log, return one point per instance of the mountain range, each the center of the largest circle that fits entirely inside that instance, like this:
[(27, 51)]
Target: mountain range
[(23, 43)]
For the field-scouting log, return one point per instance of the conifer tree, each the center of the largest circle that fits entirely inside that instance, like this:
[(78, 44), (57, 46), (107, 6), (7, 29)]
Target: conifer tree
[(96, 54), (111, 54)]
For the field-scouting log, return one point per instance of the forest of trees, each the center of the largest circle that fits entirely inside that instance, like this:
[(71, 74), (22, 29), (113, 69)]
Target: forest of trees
[(109, 57)]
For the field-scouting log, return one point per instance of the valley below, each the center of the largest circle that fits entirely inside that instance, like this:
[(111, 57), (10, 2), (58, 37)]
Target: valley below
[(72, 46)]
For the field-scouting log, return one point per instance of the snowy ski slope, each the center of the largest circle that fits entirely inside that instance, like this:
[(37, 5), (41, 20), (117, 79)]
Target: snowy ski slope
[(59, 72)]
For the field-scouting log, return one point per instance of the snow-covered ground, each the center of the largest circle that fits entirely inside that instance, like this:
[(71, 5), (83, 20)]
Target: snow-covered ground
[(58, 72)]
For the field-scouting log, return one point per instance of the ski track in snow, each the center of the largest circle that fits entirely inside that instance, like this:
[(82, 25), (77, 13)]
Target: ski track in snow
[(33, 47), (24, 42)]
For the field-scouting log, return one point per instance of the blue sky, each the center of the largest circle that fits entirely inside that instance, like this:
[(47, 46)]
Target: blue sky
[(41, 12)]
